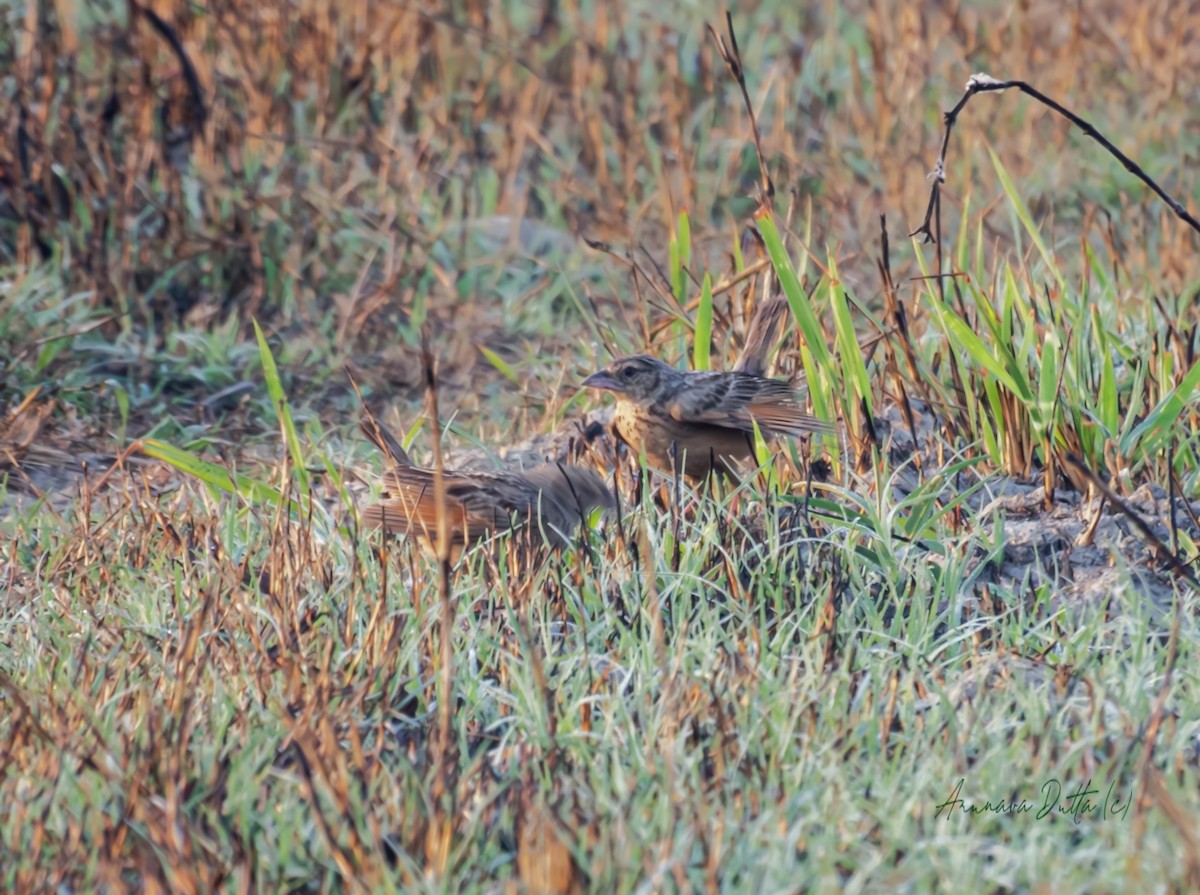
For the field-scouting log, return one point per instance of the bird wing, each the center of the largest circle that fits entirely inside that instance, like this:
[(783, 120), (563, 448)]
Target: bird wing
[(476, 504), (738, 400)]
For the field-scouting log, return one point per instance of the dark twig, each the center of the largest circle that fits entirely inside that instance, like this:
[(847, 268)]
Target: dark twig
[(1171, 497), (982, 83), (190, 77), (1161, 550), (662, 285), (732, 57)]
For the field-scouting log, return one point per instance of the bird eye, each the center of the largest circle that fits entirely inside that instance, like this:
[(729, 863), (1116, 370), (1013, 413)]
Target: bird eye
[(627, 372)]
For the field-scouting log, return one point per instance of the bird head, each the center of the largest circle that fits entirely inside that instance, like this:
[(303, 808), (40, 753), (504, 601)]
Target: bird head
[(638, 378)]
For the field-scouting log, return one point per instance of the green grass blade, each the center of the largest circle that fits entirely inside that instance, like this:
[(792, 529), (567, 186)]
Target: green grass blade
[(502, 366), (967, 339), (679, 257), (852, 360), (818, 362), (797, 299), (1048, 383), (211, 474), (1109, 414), (1163, 416), (701, 357), (1026, 219), (279, 402), (685, 240)]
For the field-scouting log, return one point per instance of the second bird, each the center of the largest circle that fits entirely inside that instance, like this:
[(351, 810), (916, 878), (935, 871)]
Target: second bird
[(554, 498), (698, 422)]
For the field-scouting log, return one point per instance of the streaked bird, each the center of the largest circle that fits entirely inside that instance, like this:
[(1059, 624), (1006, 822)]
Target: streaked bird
[(698, 422), (552, 500)]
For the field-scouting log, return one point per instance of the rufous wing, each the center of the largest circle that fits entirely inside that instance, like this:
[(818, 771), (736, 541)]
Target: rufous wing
[(408, 506)]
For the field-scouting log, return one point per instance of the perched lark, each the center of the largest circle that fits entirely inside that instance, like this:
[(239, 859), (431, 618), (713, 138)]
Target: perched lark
[(555, 498), (698, 422)]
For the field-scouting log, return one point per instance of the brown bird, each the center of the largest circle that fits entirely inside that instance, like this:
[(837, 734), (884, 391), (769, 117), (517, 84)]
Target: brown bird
[(698, 422), (555, 497)]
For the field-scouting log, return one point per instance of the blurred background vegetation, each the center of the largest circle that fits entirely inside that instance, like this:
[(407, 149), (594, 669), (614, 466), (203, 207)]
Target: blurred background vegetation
[(346, 172), (771, 692)]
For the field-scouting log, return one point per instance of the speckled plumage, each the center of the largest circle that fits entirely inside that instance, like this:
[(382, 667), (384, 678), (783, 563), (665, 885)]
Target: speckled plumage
[(699, 422), (555, 497)]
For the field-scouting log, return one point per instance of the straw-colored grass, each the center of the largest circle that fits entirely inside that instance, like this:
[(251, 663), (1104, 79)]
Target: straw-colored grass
[(952, 649)]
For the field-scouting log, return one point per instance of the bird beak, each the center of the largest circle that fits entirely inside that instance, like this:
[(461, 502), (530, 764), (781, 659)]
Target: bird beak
[(602, 380)]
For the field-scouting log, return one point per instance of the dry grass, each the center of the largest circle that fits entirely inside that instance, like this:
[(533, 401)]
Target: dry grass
[(988, 579)]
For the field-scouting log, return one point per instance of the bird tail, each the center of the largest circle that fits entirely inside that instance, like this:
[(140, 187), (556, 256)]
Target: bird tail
[(761, 336), (380, 436)]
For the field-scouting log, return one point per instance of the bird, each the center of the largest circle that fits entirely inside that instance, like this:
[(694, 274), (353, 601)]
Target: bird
[(554, 497), (698, 422)]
